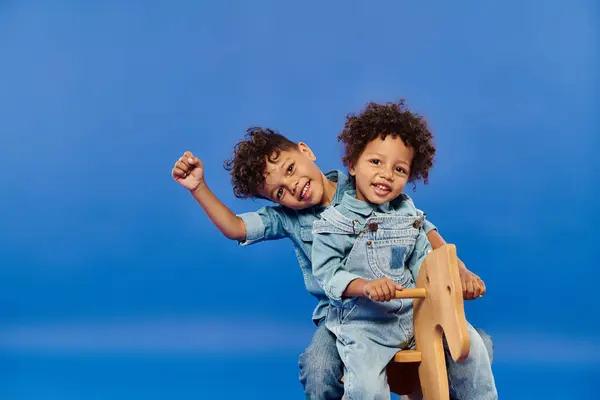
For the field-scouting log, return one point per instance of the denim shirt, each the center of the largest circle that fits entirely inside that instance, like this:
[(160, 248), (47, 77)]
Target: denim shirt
[(278, 222), (333, 245)]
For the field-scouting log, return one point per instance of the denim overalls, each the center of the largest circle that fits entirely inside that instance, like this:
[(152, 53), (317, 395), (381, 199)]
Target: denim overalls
[(370, 333)]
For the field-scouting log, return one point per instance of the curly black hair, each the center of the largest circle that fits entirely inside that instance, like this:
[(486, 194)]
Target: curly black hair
[(381, 120), (249, 161)]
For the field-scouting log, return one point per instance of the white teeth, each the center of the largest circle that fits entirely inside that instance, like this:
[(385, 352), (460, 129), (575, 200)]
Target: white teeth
[(382, 187), (304, 190)]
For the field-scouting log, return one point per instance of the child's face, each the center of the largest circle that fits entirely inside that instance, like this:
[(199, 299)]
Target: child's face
[(382, 170), (294, 180)]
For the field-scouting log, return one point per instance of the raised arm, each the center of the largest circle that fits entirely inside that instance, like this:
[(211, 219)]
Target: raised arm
[(188, 171)]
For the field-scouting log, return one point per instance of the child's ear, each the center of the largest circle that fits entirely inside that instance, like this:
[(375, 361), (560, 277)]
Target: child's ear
[(351, 170), (304, 149)]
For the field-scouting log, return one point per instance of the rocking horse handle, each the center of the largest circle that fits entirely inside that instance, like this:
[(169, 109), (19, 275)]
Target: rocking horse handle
[(416, 293)]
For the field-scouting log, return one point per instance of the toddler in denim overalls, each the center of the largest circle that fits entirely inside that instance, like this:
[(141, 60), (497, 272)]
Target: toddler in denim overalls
[(378, 241), (373, 243)]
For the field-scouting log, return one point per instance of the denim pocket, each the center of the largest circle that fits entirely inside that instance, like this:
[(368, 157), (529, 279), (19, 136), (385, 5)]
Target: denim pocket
[(348, 308), (340, 311), (388, 258), (406, 319)]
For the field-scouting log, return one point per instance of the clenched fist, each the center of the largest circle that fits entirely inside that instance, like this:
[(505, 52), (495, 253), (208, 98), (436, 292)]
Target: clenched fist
[(382, 289), (189, 171), (472, 285)]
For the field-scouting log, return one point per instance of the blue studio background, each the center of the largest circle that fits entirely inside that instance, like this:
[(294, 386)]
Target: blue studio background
[(113, 283)]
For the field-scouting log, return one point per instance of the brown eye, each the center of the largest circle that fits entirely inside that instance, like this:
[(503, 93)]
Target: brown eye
[(375, 161), (279, 194)]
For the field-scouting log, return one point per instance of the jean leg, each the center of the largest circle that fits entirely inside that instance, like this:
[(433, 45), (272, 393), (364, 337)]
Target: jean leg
[(365, 365), (321, 367), (473, 378), (488, 343)]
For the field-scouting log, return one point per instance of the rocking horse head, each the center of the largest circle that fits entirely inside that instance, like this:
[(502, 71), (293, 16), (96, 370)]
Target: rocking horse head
[(440, 278)]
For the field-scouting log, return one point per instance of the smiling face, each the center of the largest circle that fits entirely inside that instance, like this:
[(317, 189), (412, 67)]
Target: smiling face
[(382, 170), (293, 180)]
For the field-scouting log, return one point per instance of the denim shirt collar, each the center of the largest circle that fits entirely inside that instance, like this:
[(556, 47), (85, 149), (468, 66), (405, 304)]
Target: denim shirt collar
[(342, 182), (361, 207)]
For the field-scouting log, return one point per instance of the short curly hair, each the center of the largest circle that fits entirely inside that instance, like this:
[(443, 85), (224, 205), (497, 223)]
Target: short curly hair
[(248, 164), (381, 120)]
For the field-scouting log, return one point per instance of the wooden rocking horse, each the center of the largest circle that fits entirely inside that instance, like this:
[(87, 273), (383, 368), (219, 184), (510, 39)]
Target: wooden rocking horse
[(438, 308)]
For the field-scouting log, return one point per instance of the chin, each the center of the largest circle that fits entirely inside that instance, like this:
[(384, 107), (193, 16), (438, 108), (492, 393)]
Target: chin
[(379, 200)]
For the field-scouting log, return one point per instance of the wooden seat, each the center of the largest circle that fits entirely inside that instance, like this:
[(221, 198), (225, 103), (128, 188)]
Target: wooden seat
[(407, 356)]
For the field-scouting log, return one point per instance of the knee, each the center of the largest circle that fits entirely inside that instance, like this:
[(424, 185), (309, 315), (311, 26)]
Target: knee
[(366, 388), (316, 367), (486, 341), (320, 373)]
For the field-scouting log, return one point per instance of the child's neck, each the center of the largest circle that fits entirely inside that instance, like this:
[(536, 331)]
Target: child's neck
[(329, 188)]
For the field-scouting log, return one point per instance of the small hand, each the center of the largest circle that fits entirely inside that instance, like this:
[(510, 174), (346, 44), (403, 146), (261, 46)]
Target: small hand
[(382, 289), (188, 171), (472, 285)]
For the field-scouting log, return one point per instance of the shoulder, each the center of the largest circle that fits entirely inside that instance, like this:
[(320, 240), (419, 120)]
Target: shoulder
[(335, 220), (404, 203), (276, 216)]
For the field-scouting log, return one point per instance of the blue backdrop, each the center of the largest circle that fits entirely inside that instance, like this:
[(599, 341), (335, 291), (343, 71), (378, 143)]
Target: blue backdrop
[(113, 283)]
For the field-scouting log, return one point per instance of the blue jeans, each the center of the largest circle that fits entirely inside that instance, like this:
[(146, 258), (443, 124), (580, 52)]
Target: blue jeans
[(321, 367), (473, 378)]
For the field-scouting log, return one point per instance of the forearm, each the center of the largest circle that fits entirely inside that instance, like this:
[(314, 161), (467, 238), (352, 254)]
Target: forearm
[(436, 240), (328, 266), (230, 225), (337, 282), (355, 288)]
